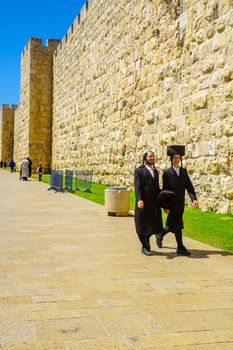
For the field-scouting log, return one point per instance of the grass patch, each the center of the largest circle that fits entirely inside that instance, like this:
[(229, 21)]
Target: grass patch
[(97, 194), (207, 227)]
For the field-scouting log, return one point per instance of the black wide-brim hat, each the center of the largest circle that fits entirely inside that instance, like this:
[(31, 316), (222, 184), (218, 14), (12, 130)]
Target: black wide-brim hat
[(175, 149), (166, 199)]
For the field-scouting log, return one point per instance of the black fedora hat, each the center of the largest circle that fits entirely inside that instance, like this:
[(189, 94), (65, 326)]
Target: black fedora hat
[(166, 199), (175, 149)]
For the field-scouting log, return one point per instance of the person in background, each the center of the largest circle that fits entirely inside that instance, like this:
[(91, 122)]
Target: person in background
[(39, 172), (24, 169), (148, 216), (1, 164), (29, 167), (176, 179), (12, 165), (5, 164)]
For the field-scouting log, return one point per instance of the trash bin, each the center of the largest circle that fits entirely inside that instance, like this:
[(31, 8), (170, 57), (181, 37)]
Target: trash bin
[(117, 201)]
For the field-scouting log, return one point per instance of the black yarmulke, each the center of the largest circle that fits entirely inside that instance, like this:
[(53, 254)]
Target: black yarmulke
[(166, 199), (175, 149)]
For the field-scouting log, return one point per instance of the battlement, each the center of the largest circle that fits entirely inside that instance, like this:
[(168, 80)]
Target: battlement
[(6, 106), (32, 42), (37, 43), (77, 21), (52, 43)]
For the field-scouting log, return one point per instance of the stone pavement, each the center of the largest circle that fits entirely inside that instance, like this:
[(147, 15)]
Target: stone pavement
[(73, 278)]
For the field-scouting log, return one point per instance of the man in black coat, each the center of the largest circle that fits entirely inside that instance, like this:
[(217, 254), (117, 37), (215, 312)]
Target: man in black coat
[(176, 179), (29, 167), (148, 216)]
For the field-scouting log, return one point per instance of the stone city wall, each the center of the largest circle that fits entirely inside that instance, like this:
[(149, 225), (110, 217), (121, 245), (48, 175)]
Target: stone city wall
[(33, 124), (6, 132), (136, 74), (21, 122)]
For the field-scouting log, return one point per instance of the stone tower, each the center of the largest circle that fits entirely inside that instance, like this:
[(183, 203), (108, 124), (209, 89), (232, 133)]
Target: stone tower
[(33, 118), (7, 132)]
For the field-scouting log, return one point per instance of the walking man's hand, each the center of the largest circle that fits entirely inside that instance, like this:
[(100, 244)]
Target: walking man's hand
[(140, 204)]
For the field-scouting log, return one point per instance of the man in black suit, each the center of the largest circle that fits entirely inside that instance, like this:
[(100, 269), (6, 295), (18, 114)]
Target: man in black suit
[(176, 179), (29, 167), (148, 217)]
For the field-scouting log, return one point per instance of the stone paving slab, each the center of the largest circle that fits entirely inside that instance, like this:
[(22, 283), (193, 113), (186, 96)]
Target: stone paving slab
[(73, 278)]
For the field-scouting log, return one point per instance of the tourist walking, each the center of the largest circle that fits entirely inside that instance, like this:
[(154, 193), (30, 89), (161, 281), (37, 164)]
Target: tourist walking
[(39, 171), (148, 216), (176, 179), (12, 165), (24, 169)]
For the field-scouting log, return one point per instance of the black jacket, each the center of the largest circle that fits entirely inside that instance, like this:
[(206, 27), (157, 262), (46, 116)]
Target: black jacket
[(178, 184), (149, 219)]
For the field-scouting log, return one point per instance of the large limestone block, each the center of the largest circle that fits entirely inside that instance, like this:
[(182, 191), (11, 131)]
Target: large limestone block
[(221, 40), (200, 101), (213, 168), (223, 208)]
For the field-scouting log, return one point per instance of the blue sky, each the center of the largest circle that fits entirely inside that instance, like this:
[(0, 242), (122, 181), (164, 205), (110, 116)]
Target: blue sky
[(21, 19)]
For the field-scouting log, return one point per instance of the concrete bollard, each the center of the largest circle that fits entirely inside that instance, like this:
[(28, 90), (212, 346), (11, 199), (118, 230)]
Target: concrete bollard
[(117, 201)]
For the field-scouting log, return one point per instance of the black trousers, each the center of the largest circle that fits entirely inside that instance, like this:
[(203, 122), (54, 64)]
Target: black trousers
[(178, 234), (145, 241)]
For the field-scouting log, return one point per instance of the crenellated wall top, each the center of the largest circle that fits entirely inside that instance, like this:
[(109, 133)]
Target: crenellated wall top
[(37, 43), (79, 19)]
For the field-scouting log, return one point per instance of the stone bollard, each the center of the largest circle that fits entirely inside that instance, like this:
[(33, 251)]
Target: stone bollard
[(117, 201)]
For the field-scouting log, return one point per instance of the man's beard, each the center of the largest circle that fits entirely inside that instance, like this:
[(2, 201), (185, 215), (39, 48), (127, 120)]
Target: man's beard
[(150, 163)]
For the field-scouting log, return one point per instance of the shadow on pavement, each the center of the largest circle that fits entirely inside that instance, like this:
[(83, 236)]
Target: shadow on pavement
[(195, 253)]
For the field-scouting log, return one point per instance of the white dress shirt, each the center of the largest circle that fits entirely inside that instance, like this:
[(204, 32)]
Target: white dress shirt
[(177, 170), (151, 170)]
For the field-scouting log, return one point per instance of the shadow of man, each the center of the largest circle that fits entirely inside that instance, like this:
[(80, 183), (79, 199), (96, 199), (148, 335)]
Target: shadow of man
[(199, 254), (195, 253)]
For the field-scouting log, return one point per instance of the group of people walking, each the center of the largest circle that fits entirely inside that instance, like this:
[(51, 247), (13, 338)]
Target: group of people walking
[(26, 169), (150, 198), (3, 164), (12, 165)]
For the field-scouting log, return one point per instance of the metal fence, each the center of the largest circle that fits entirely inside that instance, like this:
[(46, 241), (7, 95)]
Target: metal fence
[(56, 180), (69, 181), (83, 180)]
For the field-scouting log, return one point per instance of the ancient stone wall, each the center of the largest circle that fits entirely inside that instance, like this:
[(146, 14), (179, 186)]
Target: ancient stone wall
[(6, 132), (34, 116), (22, 113), (41, 102), (134, 74)]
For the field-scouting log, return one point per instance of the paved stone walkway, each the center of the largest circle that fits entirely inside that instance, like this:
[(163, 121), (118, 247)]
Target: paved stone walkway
[(73, 278)]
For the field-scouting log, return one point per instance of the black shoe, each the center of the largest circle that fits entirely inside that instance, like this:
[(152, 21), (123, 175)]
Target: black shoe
[(159, 240), (183, 251), (146, 252)]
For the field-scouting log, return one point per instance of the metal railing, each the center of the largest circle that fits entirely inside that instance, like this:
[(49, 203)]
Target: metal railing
[(69, 181), (83, 180), (56, 180)]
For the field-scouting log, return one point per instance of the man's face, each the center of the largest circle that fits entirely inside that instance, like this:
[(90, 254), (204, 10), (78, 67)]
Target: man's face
[(150, 159), (176, 159)]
